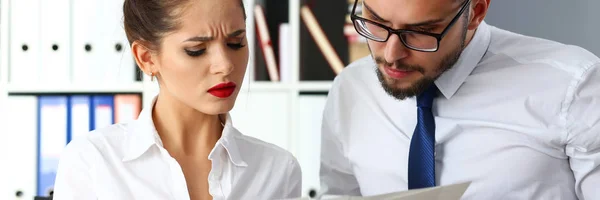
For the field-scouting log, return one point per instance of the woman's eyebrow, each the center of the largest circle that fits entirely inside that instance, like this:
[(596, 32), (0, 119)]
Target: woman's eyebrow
[(208, 38)]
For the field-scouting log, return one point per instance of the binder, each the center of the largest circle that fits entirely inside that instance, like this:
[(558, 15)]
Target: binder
[(116, 52), (86, 59), (24, 41), (309, 115), (55, 41), (52, 138), (127, 107), (101, 51), (102, 111), (79, 116), (18, 152)]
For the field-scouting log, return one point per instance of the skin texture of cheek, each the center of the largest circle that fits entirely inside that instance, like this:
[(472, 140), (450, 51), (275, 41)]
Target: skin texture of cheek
[(188, 81)]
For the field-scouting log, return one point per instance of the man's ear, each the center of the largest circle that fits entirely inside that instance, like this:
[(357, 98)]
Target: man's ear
[(145, 58), (478, 10)]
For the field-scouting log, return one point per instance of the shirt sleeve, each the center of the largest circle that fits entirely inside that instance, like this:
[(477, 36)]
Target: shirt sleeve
[(583, 133), (73, 178), (336, 174)]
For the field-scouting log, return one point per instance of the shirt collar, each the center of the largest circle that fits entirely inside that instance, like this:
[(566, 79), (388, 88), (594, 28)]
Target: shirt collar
[(449, 82), (142, 135)]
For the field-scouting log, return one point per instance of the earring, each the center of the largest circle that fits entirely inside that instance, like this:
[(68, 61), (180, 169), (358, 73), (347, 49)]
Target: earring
[(151, 76)]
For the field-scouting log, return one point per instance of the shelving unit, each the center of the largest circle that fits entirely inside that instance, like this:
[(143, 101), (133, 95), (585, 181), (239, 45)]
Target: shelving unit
[(72, 88), (271, 111)]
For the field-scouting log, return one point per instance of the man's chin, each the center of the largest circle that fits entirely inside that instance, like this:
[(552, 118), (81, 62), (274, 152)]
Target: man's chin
[(403, 88), (400, 84), (399, 92)]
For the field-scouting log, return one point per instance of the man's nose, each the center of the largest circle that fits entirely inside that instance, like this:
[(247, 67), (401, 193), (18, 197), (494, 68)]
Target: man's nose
[(395, 49)]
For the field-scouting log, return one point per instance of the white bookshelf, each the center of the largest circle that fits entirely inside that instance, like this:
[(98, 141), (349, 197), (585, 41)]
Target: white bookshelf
[(288, 92), (76, 88), (4, 40)]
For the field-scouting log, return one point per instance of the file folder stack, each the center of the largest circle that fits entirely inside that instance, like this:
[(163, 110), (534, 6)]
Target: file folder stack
[(41, 126), (60, 42)]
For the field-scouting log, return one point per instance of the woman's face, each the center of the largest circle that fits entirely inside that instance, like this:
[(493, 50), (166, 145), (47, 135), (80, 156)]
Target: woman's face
[(202, 64)]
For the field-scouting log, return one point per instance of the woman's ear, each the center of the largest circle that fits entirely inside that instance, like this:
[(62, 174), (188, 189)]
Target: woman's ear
[(145, 58)]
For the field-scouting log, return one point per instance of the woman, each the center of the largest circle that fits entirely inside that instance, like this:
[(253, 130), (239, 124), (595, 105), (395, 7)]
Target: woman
[(183, 146)]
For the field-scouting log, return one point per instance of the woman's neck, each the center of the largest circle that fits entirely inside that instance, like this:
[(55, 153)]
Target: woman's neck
[(183, 130)]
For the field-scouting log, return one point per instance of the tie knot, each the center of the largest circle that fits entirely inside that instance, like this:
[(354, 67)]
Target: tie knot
[(425, 99)]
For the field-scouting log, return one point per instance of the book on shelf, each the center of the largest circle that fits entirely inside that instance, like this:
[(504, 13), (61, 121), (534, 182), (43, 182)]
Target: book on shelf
[(269, 15), (357, 44), (323, 46)]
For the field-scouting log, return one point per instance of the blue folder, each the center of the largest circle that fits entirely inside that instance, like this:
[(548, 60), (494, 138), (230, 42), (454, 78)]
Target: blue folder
[(79, 121), (52, 138), (100, 105)]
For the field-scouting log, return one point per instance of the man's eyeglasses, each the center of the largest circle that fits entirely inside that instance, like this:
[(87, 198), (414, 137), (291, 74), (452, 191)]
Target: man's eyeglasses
[(412, 39)]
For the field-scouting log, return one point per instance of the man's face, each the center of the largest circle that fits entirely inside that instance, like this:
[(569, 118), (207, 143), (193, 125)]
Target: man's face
[(404, 72)]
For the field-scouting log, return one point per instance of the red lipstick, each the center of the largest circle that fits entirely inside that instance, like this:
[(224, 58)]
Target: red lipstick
[(222, 90)]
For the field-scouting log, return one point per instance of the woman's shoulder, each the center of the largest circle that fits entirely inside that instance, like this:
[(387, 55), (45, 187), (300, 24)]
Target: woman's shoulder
[(106, 139), (111, 134)]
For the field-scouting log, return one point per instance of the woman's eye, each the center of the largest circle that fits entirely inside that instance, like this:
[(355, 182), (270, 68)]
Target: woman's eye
[(235, 45), (195, 53)]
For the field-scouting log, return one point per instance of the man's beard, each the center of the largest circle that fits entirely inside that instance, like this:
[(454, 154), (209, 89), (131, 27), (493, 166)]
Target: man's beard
[(422, 84), (418, 86)]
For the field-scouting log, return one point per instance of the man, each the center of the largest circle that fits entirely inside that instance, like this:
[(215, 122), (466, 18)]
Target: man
[(450, 99)]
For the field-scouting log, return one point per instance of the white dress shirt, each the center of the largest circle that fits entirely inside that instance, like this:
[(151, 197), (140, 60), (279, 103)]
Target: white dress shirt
[(517, 116), (127, 161)]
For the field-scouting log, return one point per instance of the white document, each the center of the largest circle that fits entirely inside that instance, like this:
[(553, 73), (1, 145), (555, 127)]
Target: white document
[(25, 46), (285, 67), (446, 192), (55, 41)]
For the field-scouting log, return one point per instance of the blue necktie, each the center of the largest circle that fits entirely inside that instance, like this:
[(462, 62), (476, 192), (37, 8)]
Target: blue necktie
[(421, 159)]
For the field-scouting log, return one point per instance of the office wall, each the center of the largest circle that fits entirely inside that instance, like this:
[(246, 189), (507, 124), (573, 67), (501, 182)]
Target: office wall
[(567, 21)]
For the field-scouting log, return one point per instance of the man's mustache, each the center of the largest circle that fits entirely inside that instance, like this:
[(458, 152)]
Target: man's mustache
[(400, 66)]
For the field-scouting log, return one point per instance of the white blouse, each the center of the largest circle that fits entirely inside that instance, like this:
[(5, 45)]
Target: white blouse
[(127, 161)]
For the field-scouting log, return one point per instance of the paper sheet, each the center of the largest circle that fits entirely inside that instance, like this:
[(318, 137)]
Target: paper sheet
[(446, 192)]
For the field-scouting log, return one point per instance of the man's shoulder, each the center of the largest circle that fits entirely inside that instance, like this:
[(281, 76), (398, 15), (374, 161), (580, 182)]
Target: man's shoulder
[(534, 51)]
